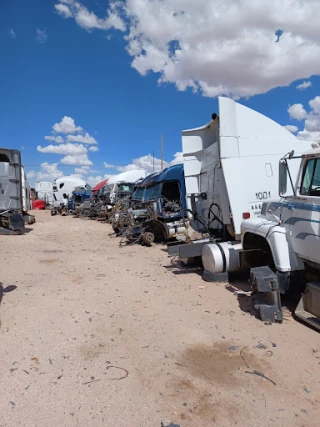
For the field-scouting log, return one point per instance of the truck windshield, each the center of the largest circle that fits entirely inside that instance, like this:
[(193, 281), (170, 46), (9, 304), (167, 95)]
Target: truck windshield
[(150, 193), (138, 194), (125, 188), (311, 179)]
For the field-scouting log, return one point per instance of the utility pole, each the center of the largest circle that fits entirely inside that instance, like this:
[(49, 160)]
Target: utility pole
[(162, 151)]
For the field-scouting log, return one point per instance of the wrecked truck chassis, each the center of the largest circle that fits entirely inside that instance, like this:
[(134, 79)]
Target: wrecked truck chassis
[(145, 226)]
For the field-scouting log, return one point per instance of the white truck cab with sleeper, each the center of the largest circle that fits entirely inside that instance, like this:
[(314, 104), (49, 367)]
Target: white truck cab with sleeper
[(231, 168), (286, 236)]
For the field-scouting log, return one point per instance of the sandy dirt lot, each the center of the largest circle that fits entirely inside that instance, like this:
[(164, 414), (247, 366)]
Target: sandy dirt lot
[(93, 334)]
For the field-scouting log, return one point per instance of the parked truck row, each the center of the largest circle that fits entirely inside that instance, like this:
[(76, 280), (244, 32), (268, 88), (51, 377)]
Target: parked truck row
[(245, 201)]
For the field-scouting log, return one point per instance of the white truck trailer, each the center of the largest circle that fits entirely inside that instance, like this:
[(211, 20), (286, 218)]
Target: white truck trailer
[(231, 168), (44, 191), (284, 240)]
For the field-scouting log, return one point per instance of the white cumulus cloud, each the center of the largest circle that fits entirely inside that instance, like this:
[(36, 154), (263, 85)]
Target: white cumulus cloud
[(63, 149), (297, 112), (63, 10), (89, 20), (177, 159), (84, 139), (77, 160), (238, 48), (66, 126), (311, 119), (304, 85), (57, 139), (31, 174), (291, 128), (309, 136), (94, 180), (93, 148), (73, 146), (84, 170), (48, 172), (150, 164), (107, 165)]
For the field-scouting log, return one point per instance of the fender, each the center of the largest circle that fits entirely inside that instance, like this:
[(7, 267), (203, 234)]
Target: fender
[(276, 235)]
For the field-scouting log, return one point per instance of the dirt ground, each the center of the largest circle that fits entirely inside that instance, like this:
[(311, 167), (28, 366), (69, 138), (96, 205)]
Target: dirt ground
[(93, 334)]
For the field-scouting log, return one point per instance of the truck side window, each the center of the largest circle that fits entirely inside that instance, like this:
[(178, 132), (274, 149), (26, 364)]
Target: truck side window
[(171, 191), (170, 198), (311, 179), (4, 158)]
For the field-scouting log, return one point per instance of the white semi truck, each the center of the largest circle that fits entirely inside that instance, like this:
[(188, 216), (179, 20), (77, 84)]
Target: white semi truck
[(231, 168), (122, 182), (14, 193), (285, 241), (62, 188)]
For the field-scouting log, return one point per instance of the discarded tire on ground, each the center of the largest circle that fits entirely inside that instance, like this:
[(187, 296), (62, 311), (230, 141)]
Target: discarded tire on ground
[(147, 238)]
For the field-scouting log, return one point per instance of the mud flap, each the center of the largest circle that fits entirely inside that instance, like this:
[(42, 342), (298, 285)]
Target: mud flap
[(12, 224), (308, 309), (266, 294)]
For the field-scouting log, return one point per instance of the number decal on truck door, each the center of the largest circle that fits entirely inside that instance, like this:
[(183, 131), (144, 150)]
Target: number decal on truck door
[(263, 195)]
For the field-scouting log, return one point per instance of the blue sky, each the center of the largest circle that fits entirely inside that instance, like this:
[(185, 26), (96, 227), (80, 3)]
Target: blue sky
[(98, 63)]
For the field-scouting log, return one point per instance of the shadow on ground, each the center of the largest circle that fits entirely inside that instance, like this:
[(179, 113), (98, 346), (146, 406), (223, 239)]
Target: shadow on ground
[(179, 268), (5, 290), (27, 230), (245, 301)]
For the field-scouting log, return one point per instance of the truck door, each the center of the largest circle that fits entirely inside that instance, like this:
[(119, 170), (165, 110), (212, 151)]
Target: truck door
[(305, 213)]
